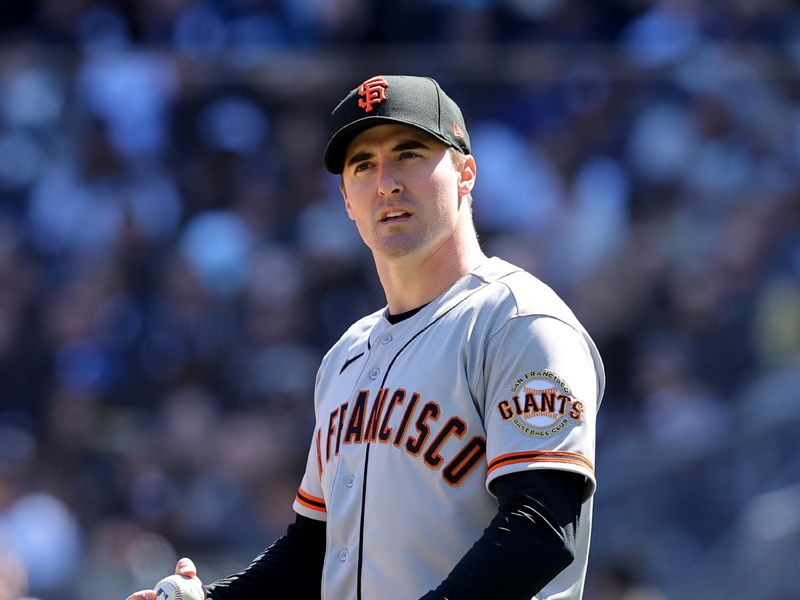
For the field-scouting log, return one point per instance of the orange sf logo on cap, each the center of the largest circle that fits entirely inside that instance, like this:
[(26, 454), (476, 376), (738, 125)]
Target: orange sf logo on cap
[(372, 91)]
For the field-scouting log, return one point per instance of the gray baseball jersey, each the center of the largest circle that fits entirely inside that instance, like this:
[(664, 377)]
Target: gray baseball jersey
[(414, 421)]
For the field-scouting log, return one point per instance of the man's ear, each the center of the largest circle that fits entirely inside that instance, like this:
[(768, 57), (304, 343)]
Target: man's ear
[(466, 176), (347, 206)]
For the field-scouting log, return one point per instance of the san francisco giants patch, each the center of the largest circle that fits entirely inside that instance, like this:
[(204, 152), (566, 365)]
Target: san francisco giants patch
[(541, 405)]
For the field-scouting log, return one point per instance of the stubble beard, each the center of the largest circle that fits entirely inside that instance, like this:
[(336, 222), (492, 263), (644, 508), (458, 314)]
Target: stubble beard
[(400, 244)]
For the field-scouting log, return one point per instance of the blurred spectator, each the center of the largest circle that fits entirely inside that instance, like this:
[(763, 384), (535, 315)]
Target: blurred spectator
[(40, 538), (620, 582)]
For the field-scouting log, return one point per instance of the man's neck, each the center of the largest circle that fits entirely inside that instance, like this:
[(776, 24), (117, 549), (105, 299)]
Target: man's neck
[(416, 280)]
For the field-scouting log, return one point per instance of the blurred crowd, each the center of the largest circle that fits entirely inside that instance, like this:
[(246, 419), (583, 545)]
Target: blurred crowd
[(174, 262)]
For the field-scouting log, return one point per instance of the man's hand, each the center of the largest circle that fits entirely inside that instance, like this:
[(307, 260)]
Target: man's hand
[(184, 567)]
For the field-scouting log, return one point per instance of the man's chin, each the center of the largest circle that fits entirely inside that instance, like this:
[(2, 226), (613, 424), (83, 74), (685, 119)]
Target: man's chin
[(398, 249)]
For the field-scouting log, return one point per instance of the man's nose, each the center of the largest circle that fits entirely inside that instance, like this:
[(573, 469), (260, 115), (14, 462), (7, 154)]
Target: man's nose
[(388, 184)]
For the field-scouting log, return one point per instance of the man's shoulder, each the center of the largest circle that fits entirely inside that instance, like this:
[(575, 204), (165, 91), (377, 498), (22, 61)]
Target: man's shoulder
[(528, 294)]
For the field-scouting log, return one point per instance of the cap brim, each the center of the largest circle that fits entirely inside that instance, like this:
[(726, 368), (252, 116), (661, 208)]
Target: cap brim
[(337, 146)]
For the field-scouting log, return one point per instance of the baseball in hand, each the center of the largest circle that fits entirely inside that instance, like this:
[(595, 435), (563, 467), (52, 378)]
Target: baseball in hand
[(178, 587)]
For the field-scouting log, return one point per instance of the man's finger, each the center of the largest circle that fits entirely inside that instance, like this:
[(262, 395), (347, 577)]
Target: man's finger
[(142, 595)]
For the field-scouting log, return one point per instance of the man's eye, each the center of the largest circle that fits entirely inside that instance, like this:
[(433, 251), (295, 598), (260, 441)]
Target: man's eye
[(408, 154), (362, 166)]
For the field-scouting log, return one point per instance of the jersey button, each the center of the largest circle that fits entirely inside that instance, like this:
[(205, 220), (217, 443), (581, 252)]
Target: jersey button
[(373, 374), (344, 554), (387, 338), (350, 480)]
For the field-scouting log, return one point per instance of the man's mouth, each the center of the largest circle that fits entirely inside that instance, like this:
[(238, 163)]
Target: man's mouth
[(394, 215)]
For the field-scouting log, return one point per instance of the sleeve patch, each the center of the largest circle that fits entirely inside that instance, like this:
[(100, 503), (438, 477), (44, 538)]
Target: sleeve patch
[(541, 404)]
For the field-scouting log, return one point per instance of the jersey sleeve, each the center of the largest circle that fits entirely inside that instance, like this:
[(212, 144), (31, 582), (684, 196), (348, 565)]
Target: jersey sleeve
[(542, 388), (310, 501)]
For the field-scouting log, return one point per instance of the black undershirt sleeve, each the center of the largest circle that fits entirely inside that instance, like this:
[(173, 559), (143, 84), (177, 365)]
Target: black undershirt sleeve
[(536, 522), (289, 568), (535, 525)]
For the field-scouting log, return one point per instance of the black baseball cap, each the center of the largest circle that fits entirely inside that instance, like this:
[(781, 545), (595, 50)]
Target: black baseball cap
[(385, 99)]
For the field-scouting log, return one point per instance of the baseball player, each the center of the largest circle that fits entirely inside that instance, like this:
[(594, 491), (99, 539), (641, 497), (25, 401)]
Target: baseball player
[(453, 454)]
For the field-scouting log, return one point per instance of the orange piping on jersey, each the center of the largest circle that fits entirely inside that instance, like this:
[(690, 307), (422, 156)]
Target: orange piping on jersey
[(541, 460), (540, 456), (310, 501)]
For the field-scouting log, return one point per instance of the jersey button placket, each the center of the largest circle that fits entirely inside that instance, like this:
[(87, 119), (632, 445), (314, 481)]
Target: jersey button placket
[(351, 479), (373, 374), (386, 339), (343, 554)]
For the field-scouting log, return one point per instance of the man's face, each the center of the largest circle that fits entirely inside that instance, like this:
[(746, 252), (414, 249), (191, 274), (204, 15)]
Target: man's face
[(403, 191)]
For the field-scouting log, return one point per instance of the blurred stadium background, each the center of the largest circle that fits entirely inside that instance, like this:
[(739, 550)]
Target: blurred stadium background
[(174, 261)]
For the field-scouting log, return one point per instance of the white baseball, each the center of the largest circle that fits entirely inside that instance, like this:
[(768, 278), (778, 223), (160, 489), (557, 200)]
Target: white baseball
[(178, 587)]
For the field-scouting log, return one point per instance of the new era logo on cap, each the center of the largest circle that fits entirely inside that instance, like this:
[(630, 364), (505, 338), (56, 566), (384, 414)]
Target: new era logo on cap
[(385, 99)]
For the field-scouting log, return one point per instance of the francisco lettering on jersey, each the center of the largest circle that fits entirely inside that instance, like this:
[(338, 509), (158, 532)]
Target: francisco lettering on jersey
[(410, 424), (541, 405)]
